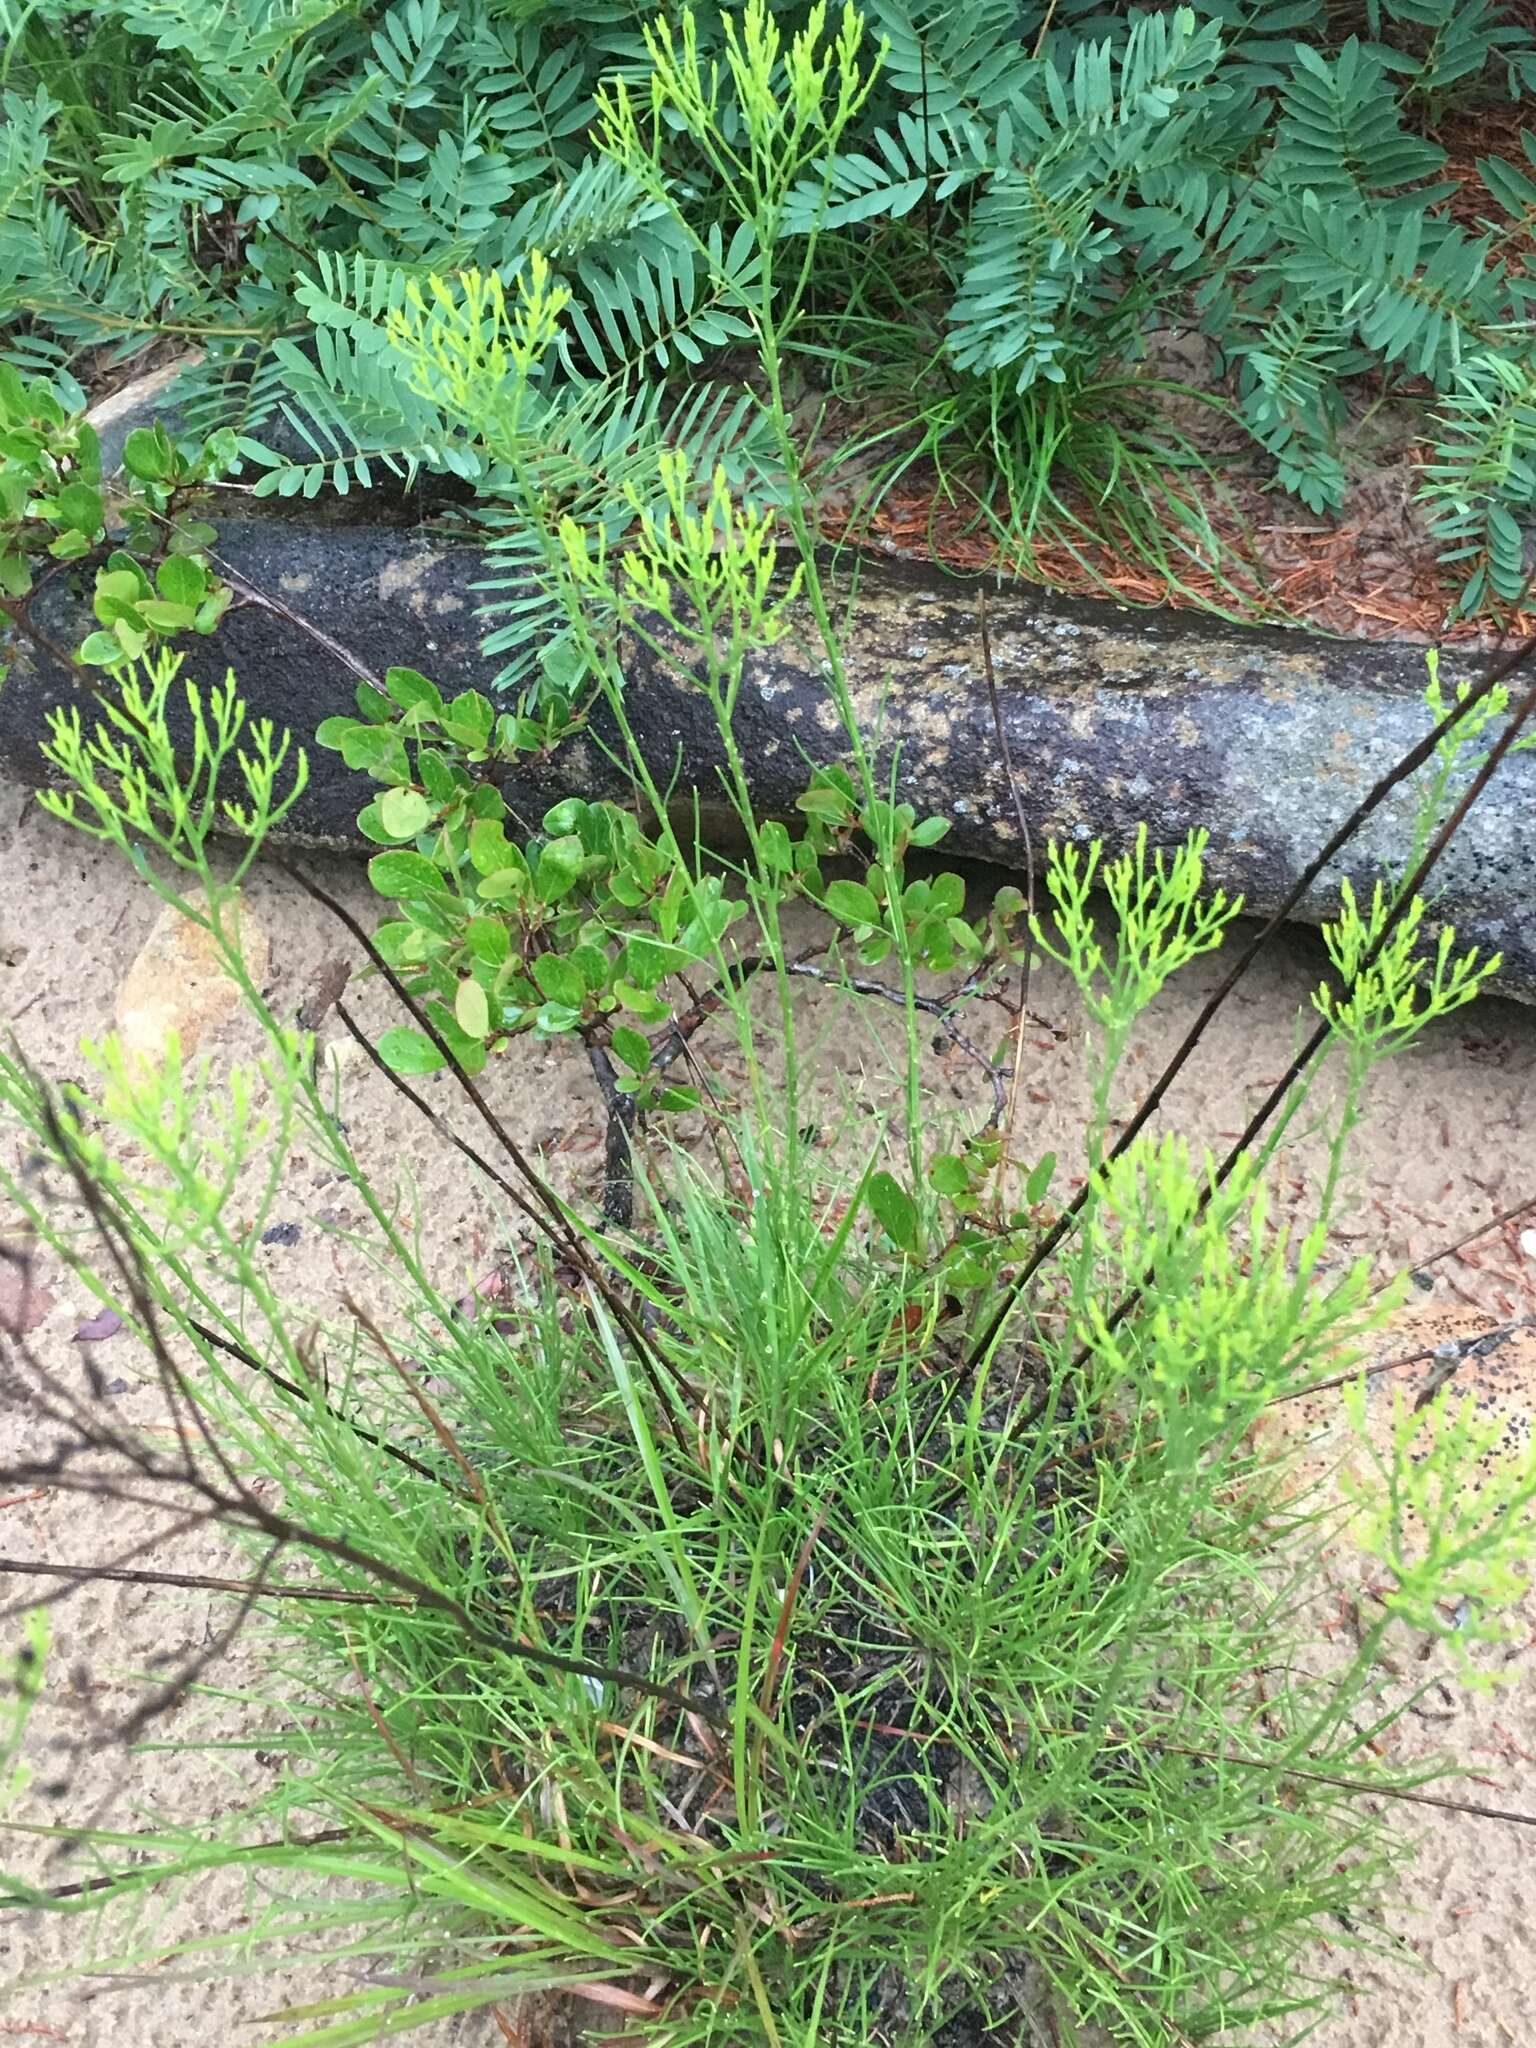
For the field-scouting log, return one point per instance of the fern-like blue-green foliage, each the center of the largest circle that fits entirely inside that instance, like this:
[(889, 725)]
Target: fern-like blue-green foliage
[(261, 178)]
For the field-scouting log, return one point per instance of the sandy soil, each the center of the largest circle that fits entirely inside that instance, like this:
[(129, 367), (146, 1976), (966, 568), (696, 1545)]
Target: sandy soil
[(1448, 1145)]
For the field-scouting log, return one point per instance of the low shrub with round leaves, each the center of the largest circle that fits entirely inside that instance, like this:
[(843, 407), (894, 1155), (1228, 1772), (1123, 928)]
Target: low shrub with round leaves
[(580, 927)]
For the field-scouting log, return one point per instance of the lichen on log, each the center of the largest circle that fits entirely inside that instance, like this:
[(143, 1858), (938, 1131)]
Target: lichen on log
[(1114, 717)]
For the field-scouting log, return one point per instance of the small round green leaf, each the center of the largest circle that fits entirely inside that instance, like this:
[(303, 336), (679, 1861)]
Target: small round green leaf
[(559, 868), (561, 980), (403, 874), (409, 1052), (101, 650), (642, 1003), (409, 688), (404, 812), (472, 1008), (505, 882), (488, 847), (80, 506), (148, 454), (853, 903), (180, 580), (894, 1210), (1036, 1187), (632, 1047)]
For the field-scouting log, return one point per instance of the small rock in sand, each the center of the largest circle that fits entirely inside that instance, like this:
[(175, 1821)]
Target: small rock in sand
[(24, 1303), (338, 1053), (179, 983)]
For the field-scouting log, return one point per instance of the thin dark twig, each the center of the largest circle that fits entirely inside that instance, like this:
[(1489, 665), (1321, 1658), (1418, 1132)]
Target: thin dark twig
[(722, 1132), (192, 1669), (230, 1499), (21, 618), (669, 1045), (546, 1195), (129, 1264), (571, 1247), (1453, 1353), (418, 1102), (248, 1511), (253, 596), (474, 1484), (622, 1118), (1449, 1251), (1472, 1808), (940, 1007), (123, 1559), (1010, 1115), (1401, 904), (25, 1895), (549, 1215), (249, 595), (195, 1582), (288, 1386)]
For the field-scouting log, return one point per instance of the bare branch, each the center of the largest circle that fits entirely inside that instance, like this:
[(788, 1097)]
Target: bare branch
[(194, 1582), (546, 1212)]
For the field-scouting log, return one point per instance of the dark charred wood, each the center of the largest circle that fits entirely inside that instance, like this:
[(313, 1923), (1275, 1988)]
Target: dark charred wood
[(1114, 717)]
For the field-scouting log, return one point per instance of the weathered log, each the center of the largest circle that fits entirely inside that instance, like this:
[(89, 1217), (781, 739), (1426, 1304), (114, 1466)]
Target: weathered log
[(1114, 717)]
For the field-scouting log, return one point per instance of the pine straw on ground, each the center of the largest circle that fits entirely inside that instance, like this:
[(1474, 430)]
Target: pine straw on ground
[(1335, 576), (1368, 573)]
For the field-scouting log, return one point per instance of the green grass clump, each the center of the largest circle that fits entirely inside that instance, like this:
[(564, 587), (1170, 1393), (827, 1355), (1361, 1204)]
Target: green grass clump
[(840, 1607)]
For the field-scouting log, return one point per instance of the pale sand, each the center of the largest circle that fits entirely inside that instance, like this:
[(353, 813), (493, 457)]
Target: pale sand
[(1448, 1143)]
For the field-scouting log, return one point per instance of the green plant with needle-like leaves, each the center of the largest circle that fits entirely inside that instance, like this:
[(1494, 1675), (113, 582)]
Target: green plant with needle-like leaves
[(722, 1666), (768, 1624), (1163, 919)]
